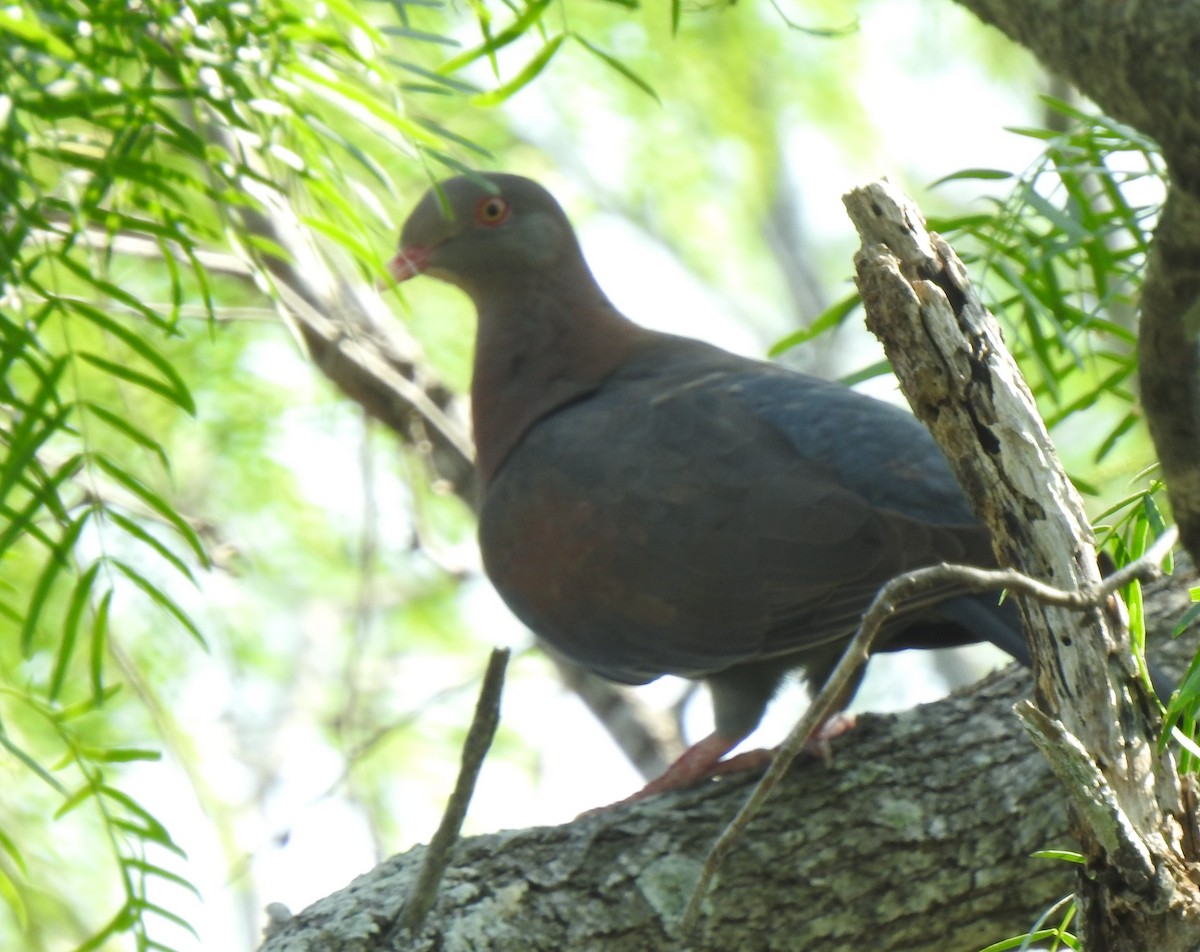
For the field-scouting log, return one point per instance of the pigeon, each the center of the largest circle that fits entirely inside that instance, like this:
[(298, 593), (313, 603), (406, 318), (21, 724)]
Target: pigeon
[(653, 505)]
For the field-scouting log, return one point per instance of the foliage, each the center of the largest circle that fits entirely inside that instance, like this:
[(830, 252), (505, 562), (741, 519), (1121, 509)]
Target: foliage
[(133, 141)]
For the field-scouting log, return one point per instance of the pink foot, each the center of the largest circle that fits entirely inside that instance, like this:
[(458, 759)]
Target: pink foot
[(702, 761)]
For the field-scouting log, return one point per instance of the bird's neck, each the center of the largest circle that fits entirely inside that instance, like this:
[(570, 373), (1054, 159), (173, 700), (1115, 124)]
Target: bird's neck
[(537, 350)]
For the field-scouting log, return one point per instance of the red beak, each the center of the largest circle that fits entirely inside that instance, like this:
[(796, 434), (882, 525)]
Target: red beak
[(409, 263)]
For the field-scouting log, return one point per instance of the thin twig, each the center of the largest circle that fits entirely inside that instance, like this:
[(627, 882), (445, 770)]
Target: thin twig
[(438, 854), (892, 596)]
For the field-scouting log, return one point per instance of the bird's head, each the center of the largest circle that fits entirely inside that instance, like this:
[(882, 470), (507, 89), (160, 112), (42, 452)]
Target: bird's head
[(484, 231)]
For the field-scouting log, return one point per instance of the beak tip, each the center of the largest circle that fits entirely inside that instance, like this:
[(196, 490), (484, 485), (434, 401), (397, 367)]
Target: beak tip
[(408, 263)]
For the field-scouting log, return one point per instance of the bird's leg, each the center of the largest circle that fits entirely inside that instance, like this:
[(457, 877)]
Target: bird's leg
[(698, 763), (739, 697), (702, 761)]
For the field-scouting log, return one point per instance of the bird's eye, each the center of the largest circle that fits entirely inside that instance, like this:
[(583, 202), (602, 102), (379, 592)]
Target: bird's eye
[(491, 210)]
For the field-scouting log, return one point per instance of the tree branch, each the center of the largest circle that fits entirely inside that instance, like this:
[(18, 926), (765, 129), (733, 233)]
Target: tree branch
[(950, 359), (475, 748)]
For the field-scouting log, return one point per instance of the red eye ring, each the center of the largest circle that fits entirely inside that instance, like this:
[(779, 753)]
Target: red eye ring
[(492, 211)]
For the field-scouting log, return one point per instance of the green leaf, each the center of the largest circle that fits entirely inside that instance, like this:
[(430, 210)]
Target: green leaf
[(135, 377), (155, 834), (43, 495), (1137, 617), (118, 755), (419, 36), (121, 922), (11, 895), (528, 73), (1031, 132), (99, 649), (165, 913), (1186, 620), (59, 560), (448, 84), (343, 95), (446, 134), (348, 11), (172, 386), (1127, 423), (71, 712), (35, 426), (155, 502), (125, 428), (620, 67), (82, 795), (118, 294), (70, 630), (351, 243), (160, 598), (974, 175), (1039, 935), (13, 851), (832, 317), (151, 869), (1154, 516), (1066, 856), (30, 763), (150, 828), (148, 538), (29, 30), (514, 31), (870, 372), (450, 162), (368, 162)]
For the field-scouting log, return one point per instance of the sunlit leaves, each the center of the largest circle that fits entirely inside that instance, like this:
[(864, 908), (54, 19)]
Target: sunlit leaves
[(522, 26), (98, 144), (79, 779), (832, 318), (524, 76)]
